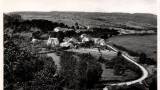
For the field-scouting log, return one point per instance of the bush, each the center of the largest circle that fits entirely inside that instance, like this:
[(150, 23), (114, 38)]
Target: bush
[(119, 64), (143, 59)]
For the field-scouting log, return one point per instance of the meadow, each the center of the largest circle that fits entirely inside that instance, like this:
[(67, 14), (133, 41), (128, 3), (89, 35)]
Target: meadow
[(145, 43)]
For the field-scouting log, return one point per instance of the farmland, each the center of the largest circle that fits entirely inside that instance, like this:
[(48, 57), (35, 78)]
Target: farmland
[(105, 20), (136, 43)]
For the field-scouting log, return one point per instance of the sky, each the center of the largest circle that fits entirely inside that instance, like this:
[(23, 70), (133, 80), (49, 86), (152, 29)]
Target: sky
[(128, 6)]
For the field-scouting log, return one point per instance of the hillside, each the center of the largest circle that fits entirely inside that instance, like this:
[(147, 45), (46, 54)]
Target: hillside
[(146, 44), (95, 19)]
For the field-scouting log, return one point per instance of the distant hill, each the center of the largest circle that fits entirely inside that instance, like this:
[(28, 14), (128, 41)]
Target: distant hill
[(95, 19)]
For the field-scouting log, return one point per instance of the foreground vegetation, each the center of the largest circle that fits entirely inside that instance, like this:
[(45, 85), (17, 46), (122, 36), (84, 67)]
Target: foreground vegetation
[(80, 72), (19, 59)]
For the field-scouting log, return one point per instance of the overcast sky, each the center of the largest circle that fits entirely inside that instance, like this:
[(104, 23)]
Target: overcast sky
[(130, 6)]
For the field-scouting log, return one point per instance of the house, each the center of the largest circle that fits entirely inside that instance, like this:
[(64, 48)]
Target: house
[(102, 42), (86, 39), (83, 37), (66, 44), (52, 42), (73, 40), (99, 41), (33, 41), (57, 29), (88, 27)]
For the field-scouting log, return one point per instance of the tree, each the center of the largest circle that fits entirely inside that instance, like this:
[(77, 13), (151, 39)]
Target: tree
[(119, 64), (61, 25), (105, 36), (60, 35), (142, 58), (119, 69), (136, 86), (153, 85), (18, 61), (93, 71), (72, 27), (12, 20), (36, 34), (46, 75), (76, 25), (79, 71), (93, 74), (82, 67)]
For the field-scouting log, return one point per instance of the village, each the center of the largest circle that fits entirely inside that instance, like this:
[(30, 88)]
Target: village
[(62, 57), (57, 37), (69, 42)]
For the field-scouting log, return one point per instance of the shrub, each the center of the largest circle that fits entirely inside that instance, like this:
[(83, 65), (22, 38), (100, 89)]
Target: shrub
[(119, 64), (143, 59)]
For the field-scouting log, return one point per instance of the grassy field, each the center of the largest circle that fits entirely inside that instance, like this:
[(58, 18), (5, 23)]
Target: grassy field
[(136, 43), (108, 73), (137, 20)]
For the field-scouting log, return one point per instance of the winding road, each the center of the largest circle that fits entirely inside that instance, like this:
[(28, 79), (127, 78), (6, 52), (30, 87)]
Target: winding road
[(139, 80), (127, 57)]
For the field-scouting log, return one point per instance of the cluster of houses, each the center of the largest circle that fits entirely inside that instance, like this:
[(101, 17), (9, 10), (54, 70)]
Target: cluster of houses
[(53, 41)]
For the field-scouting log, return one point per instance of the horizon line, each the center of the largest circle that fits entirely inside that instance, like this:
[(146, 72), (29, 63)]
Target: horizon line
[(81, 12)]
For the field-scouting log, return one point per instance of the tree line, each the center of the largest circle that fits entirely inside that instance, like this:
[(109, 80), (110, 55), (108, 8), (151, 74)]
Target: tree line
[(18, 24)]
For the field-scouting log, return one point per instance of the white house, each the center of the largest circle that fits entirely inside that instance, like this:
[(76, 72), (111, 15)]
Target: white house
[(52, 42), (85, 38), (34, 41), (102, 42), (88, 27), (73, 40), (66, 44), (57, 29), (99, 41), (83, 35)]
